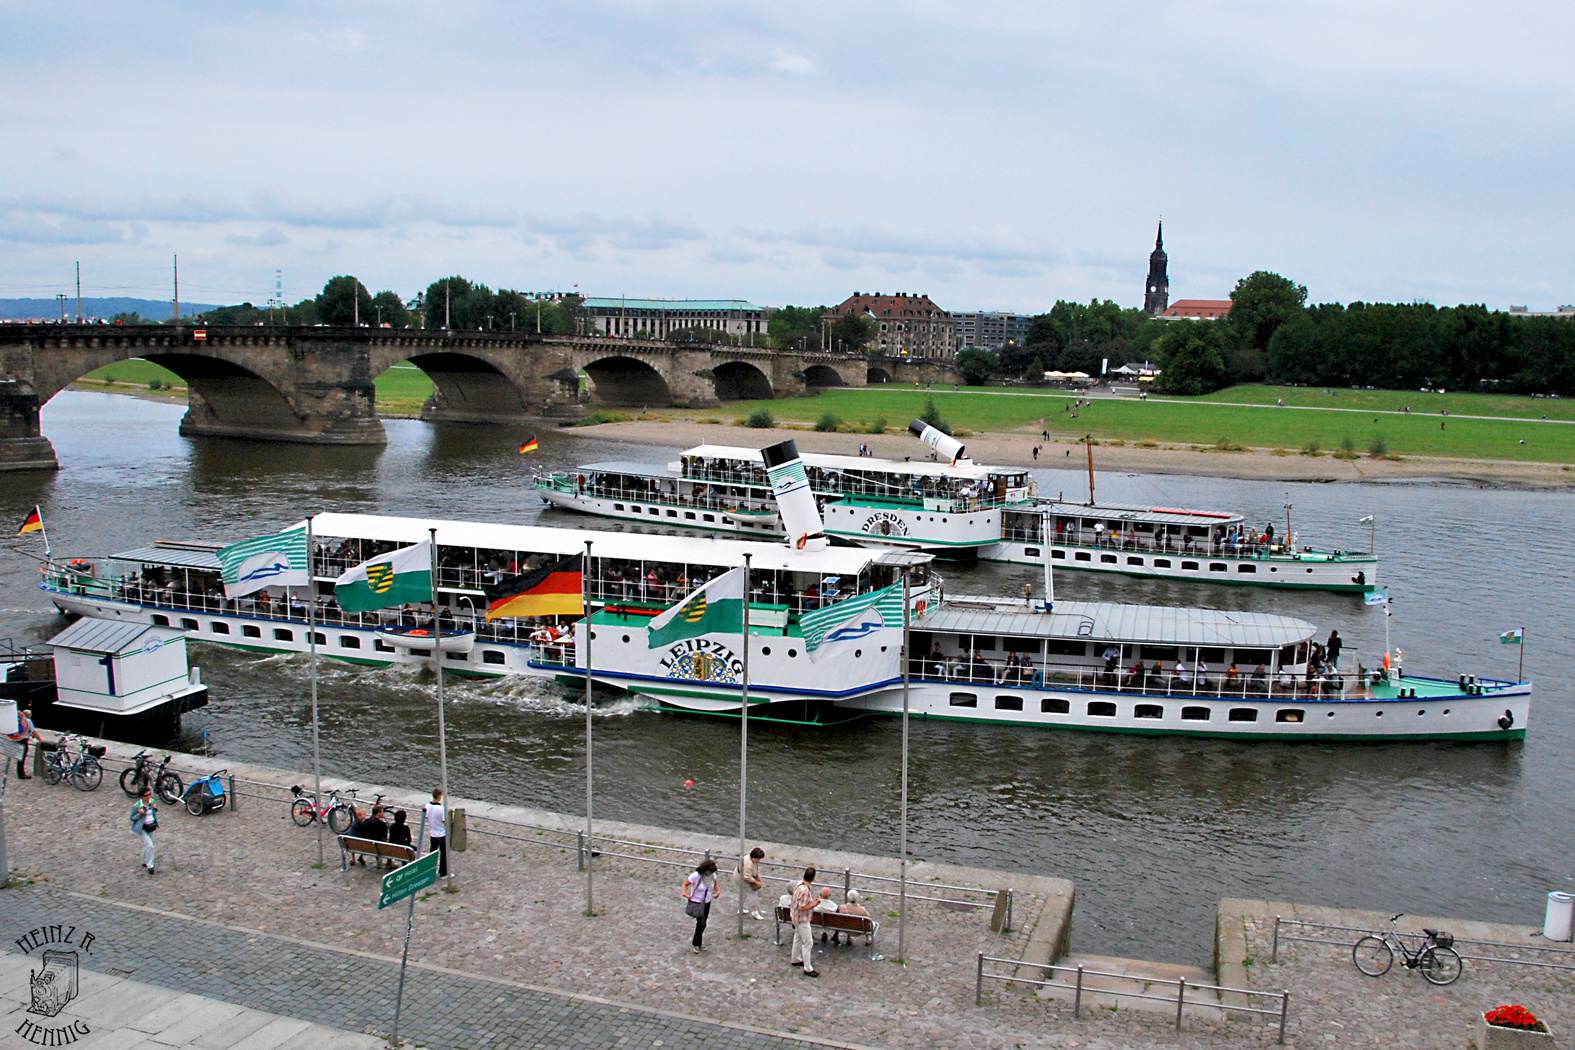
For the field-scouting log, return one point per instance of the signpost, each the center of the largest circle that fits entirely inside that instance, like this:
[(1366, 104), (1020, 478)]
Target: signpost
[(398, 885)]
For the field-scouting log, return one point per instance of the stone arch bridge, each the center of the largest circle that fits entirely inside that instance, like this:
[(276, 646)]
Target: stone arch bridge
[(315, 384)]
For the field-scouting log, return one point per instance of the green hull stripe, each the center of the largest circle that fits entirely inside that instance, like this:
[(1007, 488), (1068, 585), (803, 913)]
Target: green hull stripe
[(1494, 735)]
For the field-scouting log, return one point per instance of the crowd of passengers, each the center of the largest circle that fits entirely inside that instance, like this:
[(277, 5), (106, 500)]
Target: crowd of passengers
[(1222, 540)]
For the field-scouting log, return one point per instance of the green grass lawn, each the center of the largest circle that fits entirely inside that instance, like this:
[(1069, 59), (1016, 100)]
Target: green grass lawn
[(1199, 421), (401, 391), (1395, 400), (135, 372)]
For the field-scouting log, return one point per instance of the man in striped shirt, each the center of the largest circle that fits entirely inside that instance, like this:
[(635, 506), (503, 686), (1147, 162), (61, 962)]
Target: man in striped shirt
[(804, 901)]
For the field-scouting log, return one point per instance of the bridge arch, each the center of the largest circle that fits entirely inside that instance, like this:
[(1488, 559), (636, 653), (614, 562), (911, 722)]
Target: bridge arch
[(226, 399), (741, 381), (823, 375), (877, 375), (621, 380), (467, 389)]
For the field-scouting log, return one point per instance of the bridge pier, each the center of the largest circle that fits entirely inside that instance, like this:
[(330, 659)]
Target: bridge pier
[(22, 447)]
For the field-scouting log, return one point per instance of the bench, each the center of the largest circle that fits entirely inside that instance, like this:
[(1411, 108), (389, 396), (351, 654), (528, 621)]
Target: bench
[(833, 922), (350, 847)]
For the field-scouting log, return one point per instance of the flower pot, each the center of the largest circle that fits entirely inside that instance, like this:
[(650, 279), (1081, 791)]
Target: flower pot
[(1494, 1037)]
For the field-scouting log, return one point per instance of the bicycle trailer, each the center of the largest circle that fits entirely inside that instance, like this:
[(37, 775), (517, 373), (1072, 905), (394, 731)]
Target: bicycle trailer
[(206, 795)]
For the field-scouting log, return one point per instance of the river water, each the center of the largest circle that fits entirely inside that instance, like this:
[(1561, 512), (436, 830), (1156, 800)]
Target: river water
[(1153, 830)]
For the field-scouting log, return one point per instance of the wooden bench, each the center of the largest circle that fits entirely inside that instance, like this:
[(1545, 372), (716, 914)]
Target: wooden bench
[(351, 847), (831, 922)]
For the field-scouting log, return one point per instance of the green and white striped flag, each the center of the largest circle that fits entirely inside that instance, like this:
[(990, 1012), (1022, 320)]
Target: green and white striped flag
[(816, 625), (395, 578), (1511, 637), (715, 608), (268, 561)]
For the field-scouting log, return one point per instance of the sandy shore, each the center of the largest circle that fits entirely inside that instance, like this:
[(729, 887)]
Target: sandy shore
[(1017, 449)]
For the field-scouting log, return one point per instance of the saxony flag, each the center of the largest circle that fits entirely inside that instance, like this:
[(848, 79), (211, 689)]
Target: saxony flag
[(1511, 637), (552, 590), (389, 579), (529, 446), (34, 523), (716, 608)]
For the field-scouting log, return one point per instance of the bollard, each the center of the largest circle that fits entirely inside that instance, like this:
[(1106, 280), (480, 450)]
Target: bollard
[(1274, 950), (579, 850), (1181, 999), (1077, 999), (978, 981), (1009, 897), (1285, 1009)]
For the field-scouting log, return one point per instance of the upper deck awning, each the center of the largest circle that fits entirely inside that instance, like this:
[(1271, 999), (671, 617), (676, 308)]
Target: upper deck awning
[(173, 555), (1111, 622), (862, 464), (1132, 513)]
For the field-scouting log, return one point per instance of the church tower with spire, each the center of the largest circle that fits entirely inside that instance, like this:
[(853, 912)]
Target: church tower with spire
[(1156, 293)]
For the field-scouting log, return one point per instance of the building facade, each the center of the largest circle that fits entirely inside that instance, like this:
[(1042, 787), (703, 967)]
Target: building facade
[(657, 318), (991, 331), (1156, 292), (1197, 310), (907, 325)]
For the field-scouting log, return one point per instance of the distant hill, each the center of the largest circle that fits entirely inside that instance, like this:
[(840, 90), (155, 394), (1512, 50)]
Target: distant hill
[(49, 309)]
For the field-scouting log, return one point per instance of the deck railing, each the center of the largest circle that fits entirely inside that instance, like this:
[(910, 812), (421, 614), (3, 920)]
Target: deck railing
[(1034, 674)]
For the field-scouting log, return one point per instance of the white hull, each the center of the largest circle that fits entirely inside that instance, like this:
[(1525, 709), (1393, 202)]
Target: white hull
[(1459, 717), (754, 526), (1348, 573)]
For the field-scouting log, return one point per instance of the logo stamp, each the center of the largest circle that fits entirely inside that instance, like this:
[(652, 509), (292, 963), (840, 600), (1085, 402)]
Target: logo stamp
[(54, 984)]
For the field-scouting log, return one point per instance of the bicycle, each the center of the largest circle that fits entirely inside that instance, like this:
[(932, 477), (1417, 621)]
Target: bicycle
[(336, 813), (80, 767), (166, 783), (1436, 957)]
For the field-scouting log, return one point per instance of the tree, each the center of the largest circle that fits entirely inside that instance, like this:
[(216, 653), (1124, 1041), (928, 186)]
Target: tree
[(852, 332), (975, 365), (388, 308), (1190, 358), (790, 324), (1260, 303), (1036, 370), (464, 305), (337, 302)]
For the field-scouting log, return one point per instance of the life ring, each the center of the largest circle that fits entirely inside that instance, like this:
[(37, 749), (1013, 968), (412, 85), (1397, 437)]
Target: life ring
[(803, 541), (417, 634), (1386, 663)]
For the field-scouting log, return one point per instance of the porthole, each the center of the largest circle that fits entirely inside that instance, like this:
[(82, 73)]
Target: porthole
[(1419, 714), (1378, 714), (792, 654), (626, 639), (857, 653), (1446, 710), (1331, 714), (765, 650)]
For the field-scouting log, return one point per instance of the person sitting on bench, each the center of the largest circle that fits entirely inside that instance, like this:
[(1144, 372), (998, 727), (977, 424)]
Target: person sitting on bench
[(373, 828), (852, 907), (398, 835)]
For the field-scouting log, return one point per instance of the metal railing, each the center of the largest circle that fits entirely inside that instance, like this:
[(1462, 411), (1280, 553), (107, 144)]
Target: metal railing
[(1180, 998), (1031, 674), (1563, 958)]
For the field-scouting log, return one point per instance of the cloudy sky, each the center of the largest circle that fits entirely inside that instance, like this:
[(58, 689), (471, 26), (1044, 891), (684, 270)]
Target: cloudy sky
[(995, 154)]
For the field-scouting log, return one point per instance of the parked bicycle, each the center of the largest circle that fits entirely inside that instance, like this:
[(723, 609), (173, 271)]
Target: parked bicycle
[(166, 783), (80, 767), (1435, 957), (337, 813)]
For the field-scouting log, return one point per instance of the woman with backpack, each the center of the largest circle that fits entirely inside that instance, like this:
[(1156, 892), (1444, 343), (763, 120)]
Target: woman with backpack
[(699, 891), (144, 822)]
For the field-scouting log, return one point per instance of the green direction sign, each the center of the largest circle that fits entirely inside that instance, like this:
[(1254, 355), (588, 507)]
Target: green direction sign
[(412, 878)]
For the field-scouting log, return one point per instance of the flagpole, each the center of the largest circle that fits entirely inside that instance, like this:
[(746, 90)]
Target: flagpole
[(902, 846), (743, 754), (311, 634), (585, 586), (40, 512), (1520, 672), (437, 662)]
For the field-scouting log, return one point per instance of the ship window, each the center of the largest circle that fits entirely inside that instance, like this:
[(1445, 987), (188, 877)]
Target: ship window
[(1008, 703), (1134, 561), (1215, 656), (422, 653), (1244, 714), (964, 700), (1102, 709), (617, 506), (382, 646), (1218, 566), (1107, 559), (1030, 552), (1195, 714), (1148, 711), (219, 628), (161, 621), (1293, 714), (188, 623), (1157, 652), (1253, 656), (1067, 648), (710, 517), (1082, 556), (320, 639), (349, 641), (689, 515), (1054, 705), (456, 656), (282, 635), (492, 656), (250, 631), (1020, 645), (1246, 568), (1161, 563), (1189, 565), (1055, 554)]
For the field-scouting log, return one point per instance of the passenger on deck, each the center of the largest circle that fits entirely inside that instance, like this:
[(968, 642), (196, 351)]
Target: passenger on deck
[(1260, 681), (1134, 679)]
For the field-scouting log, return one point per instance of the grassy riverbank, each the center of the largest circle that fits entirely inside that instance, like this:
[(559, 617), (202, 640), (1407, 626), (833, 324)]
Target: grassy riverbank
[(401, 391)]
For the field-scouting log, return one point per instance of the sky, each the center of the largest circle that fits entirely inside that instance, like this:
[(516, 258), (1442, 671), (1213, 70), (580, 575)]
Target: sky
[(993, 155)]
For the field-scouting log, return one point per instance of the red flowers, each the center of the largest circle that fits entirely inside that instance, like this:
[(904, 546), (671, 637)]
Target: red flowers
[(1514, 1017)]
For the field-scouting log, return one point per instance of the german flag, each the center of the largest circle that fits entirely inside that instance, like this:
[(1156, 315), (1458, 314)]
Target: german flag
[(529, 446), (553, 590), (34, 523)]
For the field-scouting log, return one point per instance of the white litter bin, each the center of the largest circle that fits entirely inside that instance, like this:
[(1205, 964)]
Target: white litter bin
[(1561, 916)]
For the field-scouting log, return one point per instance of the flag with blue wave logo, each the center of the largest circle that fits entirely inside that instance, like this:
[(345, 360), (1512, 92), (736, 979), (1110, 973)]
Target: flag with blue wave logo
[(851, 621), (268, 561)]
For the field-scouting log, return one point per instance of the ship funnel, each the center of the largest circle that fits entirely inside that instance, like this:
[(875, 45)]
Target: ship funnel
[(944, 445), (790, 485)]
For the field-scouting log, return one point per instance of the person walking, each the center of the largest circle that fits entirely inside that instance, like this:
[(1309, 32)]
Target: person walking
[(1333, 649), (699, 890), (804, 901), (437, 830), (144, 822), (25, 735), (747, 875)]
